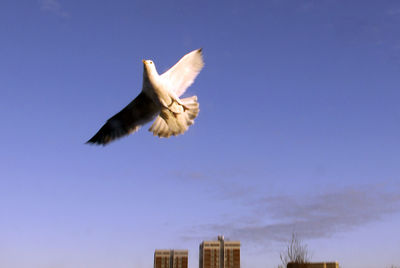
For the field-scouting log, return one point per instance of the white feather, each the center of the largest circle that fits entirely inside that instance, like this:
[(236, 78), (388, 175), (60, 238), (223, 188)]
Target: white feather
[(180, 76), (169, 123)]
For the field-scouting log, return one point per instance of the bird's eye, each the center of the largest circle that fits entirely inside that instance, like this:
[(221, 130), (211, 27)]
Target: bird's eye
[(151, 62)]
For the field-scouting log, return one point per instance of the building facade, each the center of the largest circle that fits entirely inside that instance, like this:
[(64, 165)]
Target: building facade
[(313, 265), (162, 258), (165, 258), (180, 259), (219, 254), (231, 254)]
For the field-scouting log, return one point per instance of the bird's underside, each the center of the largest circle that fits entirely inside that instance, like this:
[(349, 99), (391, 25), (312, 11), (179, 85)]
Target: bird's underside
[(159, 99)]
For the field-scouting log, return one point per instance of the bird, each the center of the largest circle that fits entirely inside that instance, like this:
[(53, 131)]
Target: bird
[(158, 99)]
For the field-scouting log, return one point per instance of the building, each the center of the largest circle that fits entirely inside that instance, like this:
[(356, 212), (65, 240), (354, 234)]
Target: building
[(166, 258), (313, 265), (180, 259), (219, 254), (210, 252), (162, 259), (231, 254)]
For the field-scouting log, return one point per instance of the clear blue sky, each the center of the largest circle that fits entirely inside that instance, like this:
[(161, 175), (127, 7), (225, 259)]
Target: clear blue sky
[(299, 130)]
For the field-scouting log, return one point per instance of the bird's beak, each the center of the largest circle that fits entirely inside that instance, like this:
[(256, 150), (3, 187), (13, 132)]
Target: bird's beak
[(144, 61)]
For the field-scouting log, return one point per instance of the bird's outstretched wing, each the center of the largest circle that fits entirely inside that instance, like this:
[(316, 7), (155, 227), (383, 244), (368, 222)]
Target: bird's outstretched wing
[(140, 111), (183, 73)]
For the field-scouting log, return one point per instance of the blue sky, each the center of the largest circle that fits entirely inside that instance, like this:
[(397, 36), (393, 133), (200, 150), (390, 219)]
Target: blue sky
[(298, 131)]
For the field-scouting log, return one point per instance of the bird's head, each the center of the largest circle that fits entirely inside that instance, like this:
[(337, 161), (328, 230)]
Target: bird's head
[(149, 66), (150, 71)]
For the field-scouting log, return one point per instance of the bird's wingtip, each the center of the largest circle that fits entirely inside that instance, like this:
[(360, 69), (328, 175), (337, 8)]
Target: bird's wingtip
[(94, 141), (90, 142)]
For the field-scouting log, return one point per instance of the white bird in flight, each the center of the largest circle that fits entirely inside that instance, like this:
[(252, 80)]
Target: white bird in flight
[(159, 98)]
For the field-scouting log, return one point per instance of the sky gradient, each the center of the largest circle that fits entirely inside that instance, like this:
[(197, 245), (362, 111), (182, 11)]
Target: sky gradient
[(298, 131)]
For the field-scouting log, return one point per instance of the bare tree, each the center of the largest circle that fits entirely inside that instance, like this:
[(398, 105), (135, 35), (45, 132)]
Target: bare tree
[(296, 252)]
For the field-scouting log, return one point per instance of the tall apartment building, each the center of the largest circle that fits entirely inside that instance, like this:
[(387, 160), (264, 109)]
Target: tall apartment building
[(166, 258), (313, 265), (231, 254), (180, 259), (210, 252), (219, 254), (162, 258)]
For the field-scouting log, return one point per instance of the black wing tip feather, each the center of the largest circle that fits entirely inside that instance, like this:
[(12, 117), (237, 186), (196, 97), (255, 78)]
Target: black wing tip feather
[(108, 133), (102, 137), (97, 141)]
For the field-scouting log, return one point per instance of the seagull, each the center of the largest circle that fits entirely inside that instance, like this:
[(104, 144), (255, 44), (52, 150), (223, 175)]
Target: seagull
[(158, 99)]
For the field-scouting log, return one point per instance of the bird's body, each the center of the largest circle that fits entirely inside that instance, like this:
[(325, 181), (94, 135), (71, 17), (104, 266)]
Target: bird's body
[(159, 99)]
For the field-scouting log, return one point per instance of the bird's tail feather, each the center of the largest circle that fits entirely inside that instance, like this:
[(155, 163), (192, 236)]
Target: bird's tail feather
[(169, 123)]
